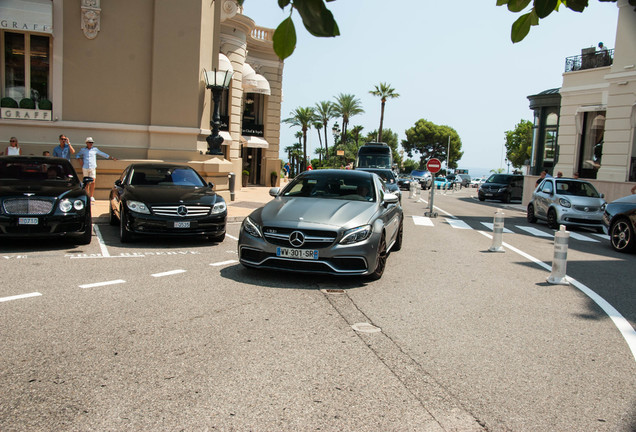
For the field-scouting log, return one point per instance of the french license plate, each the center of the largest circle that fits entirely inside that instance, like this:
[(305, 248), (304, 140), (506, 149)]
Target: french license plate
[(305, 254), (182, 224), (488, 194), (27, 221)]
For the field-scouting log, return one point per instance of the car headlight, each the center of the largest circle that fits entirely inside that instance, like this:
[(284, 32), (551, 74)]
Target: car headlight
[(603, 206), (355, 235), (78, 205), (565, 203), (137, 207), (66, 205), (219, 207), (252, 228), (503, 189)]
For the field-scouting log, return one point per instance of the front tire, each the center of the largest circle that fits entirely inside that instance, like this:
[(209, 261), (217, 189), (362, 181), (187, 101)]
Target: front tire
[(622, 236), (552, 219), (85, 238), (381, 263), (112, 219), (531, 216), (398, 241), (124, 235)]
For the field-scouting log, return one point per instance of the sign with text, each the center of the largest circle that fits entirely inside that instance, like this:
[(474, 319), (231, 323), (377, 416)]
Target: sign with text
[(433, 165)]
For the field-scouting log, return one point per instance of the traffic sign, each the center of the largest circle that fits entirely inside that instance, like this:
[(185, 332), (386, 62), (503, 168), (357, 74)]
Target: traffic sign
[(433, 165)]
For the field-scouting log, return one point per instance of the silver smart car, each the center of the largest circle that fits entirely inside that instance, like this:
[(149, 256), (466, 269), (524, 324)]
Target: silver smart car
[(341, 222), (566, 201)]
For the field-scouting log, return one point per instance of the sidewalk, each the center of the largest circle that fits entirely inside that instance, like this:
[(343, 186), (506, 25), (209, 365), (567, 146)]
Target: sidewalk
[(246, 199)]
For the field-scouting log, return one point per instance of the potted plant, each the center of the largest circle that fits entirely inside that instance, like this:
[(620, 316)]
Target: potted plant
[(7, 102), (273, 177), (246, 175)]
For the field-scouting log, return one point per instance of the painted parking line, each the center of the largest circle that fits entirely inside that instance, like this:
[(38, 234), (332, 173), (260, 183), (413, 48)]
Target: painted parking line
[(603, 236), (457, 223), (581, 237), (20, 296), (489, 225), (168, 273), (535, 232), (423, 221), (231, 236), (100, 241), (222, 263), (106, 283)]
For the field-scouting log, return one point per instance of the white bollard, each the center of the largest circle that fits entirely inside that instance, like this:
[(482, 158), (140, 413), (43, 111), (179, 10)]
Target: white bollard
[(560, 259), (497, 232), (412, 190)]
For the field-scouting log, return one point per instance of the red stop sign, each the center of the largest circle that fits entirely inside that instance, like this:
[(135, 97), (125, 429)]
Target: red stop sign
[(433, 165)]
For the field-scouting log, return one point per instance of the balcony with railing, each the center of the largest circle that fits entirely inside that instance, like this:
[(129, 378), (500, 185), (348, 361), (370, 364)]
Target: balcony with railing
[(589, 59), (262, 33)]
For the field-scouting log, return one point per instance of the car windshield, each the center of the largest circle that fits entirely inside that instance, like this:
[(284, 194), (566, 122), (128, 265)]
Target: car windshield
[(576, 188), (165, 176), (37, 170), (332, 187), (498, 178)]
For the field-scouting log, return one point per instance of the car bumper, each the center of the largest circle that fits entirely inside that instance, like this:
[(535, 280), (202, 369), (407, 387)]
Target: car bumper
[(356, 259), (153, 225), (42, 226), (581, 219)]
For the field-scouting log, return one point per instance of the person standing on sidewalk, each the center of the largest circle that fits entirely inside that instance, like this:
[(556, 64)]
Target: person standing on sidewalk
[(13, 149), (89, 164), (65, 149)]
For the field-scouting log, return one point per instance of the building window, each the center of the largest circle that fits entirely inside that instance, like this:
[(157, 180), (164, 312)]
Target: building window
[(26, 66), (591, 144), (550, 140), (253, 114)]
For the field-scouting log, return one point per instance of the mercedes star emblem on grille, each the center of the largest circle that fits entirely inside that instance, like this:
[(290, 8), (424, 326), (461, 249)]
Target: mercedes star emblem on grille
[(297, 239), (182, 211)]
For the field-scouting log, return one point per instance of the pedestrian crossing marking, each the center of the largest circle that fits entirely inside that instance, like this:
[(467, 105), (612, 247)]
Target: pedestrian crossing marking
[(581, 237), (457, 223), (421, 220), (535, 232), (603, 236), (489, 225)]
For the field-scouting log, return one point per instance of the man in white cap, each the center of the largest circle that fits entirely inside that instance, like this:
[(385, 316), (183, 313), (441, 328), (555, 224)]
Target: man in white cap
[(89, 165)]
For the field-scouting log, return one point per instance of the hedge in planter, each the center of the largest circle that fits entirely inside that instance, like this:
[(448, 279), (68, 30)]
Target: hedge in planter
[(27, 103), (45, 104), (7, 102)]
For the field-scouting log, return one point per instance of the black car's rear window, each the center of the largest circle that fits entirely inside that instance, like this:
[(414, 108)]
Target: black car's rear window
[(165, 176), (37, 170)]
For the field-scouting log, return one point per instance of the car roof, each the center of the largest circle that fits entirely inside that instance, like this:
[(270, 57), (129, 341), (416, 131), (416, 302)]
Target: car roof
[(158, 165), (341, 172), (41, 159)]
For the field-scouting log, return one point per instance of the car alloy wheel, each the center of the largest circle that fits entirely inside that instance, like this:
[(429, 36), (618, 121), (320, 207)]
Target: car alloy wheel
[(398, 241), (552, 219), (382, 253), (622, 236), (530, 216), (124, 235)]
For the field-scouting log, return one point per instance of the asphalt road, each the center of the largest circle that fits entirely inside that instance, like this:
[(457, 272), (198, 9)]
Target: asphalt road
[(164, 334)]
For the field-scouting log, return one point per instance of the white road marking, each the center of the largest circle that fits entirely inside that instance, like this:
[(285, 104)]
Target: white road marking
[(168, 273), (457, 223), (489, 225), (100, 240), (581, 237), (231, 236), (18, 297), (623, 326), (98, 284), (439, 209), (421, 220), (534, 231), (603, 236), (222, 263)]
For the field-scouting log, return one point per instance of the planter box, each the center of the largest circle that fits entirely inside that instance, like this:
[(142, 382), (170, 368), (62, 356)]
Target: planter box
[(25, 114)]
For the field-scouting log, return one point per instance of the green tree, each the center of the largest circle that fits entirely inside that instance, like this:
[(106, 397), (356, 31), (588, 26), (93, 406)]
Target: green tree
[(540, 10), (383, 91), (325, 112), (347, 106), (410, 165), (431, 140), (318, 126), (519, 143), (302, 117)]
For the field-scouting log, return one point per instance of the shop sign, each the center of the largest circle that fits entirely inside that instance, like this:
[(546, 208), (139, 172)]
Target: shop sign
[(25, 114)]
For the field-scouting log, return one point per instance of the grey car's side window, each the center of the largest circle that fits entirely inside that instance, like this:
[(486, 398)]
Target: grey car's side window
[(547, 187)]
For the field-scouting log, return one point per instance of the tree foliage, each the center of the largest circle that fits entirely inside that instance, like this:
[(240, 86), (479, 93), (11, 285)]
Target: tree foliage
[(303, 117), (384, 91), (519, 143), (431, 140), (540, 9)]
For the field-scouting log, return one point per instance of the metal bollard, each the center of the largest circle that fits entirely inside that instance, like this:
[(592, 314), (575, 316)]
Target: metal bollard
[(231, 184), (560, 259), (497, 232)]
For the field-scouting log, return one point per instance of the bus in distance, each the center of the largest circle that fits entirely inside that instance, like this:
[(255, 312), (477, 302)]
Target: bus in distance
[(374, 155)]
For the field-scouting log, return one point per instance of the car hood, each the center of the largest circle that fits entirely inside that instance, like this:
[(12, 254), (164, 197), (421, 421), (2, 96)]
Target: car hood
[(583, 201), (629, 199), (171, 194), (316, 211), (39, 189)]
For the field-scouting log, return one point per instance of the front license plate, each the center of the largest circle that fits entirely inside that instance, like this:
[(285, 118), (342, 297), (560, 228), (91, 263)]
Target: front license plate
[(488, 194), (182, 224), (306, 254), (27, 221)]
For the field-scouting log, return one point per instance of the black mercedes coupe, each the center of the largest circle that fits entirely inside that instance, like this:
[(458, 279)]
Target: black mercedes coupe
[(43, 197), (166, 199)]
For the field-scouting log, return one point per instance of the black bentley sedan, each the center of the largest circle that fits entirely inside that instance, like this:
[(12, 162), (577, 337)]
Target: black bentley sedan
[(166, 199), (43, 197)]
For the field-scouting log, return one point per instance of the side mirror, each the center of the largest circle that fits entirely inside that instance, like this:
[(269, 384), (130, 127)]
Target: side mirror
[(274, 191), (390, 198), (86, 181), (602, 195), (118, 182), (211, 185)]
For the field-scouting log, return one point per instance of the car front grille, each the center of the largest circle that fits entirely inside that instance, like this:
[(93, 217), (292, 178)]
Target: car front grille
[(587, 209), (181, 210), (28, 206), (313, 238)]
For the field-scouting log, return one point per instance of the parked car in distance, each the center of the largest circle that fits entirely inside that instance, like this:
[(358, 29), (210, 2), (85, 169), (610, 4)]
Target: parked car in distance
[(476, 182), (404, 182), (565, 201), (389, 178), (43, 197), (424, 177), (502, 187), (619, 221), (166, 199), (340, 222), (464, 179), (442, 182)]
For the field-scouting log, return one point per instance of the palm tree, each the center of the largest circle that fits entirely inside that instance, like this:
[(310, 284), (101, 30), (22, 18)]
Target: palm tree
[(324, 113), (318, 125), (302, 116), (347, 106), (384, 91)]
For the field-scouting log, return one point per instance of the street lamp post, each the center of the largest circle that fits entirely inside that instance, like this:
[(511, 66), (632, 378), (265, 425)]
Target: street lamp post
[(216, 81)]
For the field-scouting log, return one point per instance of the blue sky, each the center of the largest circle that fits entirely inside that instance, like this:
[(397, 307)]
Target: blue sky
[(451, 61)]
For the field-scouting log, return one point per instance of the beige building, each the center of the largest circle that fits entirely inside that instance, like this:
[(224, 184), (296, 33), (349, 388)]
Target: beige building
[(131, 74), (588, 126)]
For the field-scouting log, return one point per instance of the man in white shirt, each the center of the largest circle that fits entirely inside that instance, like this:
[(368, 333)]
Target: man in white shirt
[(89, 165)]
